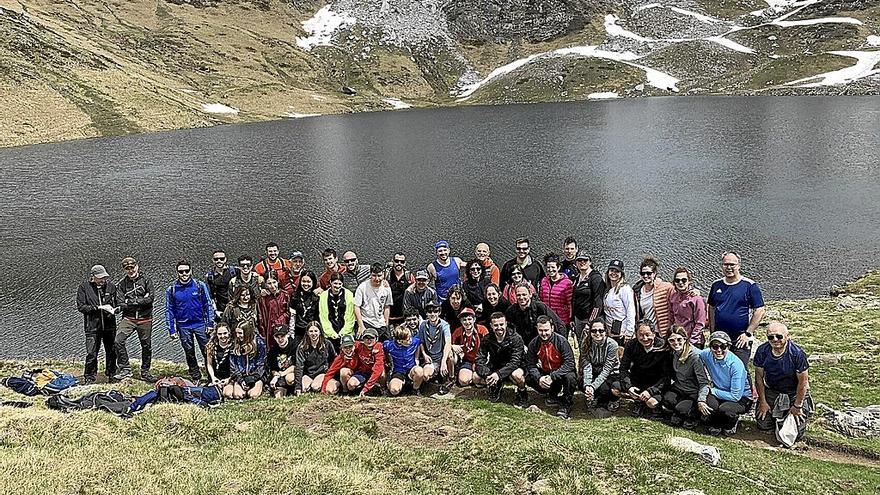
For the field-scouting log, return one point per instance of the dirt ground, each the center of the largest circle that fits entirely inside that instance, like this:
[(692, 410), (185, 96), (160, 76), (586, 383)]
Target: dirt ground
[(414, 422)]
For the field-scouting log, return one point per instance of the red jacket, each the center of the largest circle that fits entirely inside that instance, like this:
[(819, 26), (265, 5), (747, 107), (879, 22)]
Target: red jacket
[(273, 311), (557, 296), (365, 360), (471, 345)]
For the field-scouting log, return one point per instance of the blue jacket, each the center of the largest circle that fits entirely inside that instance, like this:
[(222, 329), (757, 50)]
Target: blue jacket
[(730, 381), (188, 306)]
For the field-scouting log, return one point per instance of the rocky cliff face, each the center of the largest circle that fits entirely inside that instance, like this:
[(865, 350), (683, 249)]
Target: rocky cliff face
[(83, 68)]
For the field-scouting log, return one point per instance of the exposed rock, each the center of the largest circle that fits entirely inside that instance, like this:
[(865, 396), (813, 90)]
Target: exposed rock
[(707, 453), (825, 358), (505, 20), (855, 422), (541, 486)]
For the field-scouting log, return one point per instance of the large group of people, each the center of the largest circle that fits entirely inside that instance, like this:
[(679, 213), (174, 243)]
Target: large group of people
[(556, 325)]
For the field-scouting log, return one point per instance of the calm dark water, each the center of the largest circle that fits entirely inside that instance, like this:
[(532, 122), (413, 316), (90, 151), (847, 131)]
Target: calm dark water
[(791, 183)]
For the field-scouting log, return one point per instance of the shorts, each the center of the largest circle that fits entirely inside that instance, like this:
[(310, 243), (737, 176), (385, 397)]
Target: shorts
[(464, 365), (360, 377), (404, 377)]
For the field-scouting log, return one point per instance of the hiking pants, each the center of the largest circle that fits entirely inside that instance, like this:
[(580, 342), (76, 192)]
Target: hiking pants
[(145, 335), (682, 404), (94, 339), (775, 417), (725, 413), (565, 383), (186, 336)]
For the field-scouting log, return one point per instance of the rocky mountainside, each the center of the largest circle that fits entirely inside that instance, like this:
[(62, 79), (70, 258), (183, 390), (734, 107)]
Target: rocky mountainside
[(82, 68)]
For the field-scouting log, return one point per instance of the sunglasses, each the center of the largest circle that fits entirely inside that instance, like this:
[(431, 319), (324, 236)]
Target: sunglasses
[(675, 339), (718, 347), (433, 311), (646, 274), (729, 265), (350, 261), (522, 249), (476, 269), (221, 258), (400, 262), (680, 280), (244, 265), (775, 336), (184, 271), (597, 330)]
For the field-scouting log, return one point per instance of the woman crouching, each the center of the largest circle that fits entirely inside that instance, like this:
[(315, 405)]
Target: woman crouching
[(247, 364)]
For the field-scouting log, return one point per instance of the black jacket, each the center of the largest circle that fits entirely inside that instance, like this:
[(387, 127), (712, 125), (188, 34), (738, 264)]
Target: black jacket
[(305, 306), (135, 297), (562, 346), (88, 297), (486, 315), (312, 362), (587, 296), (500, 357), (218, 285), (646, 370), (533, 273), (526, 322)]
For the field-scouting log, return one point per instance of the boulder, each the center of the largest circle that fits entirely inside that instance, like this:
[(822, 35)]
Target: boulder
[(707, 453)]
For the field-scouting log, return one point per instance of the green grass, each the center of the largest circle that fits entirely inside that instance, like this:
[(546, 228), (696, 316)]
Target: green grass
[(314, 444)]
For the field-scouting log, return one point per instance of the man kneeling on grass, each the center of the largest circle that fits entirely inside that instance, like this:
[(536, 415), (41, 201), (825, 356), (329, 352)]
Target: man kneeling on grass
[(402, 351), (499, 360), (782, 382), (466, 345), (550, 366), (359, 365)]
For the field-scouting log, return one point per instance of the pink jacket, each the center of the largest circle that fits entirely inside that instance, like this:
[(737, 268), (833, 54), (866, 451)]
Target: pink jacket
[(557, 296), (690, 312)]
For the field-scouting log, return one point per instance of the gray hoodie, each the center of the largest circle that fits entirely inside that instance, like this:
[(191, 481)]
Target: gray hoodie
[(690, 377), (603, 362)]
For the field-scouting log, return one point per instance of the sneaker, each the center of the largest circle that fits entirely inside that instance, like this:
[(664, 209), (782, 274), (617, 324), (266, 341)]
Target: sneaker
[(148, 377), (563, 412), (495, 394), (417, 392), (88, 380), (122, 375), (551, 401), (676, 420), (613, 406), (446, 388), (521, 401), (714, 431), (732, 430), (689, 424)]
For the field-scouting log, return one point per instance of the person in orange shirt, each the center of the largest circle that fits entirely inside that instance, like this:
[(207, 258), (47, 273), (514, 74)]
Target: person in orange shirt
[(491, 272), (274, 266)]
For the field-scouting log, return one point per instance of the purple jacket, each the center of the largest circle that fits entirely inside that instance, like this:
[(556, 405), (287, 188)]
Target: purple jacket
[(690, 312)]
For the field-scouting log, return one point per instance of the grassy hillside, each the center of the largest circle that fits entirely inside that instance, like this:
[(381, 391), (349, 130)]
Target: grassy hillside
[(315, 444), (83, 68)]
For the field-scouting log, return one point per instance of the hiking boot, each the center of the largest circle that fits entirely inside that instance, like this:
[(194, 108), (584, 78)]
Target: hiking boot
[(714, 431), (690, 424), (195, 378), (148, 377), (613, 406), (564, 412), (638, 410), (417, 392), (122, 375), (88, 380), (521, 400), (495, 394), (676, 420), (732, 430), (551, 401)]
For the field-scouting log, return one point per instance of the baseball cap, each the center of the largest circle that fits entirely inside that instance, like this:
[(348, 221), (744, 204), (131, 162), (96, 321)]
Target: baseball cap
[(616, 264), (346, 341), (441, 243), (370, 332), (422, 275), (465, 312), (98, 271), (582, 255), (431, 304), (128, 261), (720, 336), (281, 330), (297, 254)]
